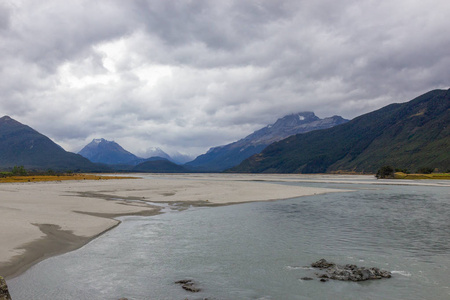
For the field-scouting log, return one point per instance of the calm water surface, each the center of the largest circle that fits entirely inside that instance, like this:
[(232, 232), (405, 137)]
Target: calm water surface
[(259, 250)]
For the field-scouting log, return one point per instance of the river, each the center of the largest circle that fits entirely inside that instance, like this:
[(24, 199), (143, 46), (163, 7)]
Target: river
[(261, 250)]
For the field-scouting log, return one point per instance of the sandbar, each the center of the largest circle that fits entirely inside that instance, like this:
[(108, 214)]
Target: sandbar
[(42, 219)]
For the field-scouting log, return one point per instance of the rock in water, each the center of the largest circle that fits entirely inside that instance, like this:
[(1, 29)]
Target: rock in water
[(306, 278), (4, 293), (322, 264), (189, 285), (349, 272)]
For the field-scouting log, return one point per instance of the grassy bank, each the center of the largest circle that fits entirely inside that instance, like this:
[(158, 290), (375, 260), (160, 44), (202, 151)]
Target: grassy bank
[(38, 178), (400, 175)]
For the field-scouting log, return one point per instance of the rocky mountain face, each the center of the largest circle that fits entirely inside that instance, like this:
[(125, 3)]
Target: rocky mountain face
[(23, 146), (410, 135), (223, 157)]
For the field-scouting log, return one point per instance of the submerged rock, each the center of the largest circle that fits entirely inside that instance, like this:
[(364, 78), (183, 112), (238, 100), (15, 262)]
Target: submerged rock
[(306, 278), (189, 285), (4, 292), (348, 272)]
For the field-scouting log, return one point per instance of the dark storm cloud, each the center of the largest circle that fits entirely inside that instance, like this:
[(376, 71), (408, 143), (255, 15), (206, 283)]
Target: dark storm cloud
[(218, 25), (188, 75)]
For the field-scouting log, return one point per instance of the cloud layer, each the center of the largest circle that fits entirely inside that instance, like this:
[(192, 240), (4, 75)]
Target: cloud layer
[(189, 75)]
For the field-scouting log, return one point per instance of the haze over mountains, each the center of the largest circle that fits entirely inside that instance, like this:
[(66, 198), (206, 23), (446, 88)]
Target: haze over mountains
[(216, 159), (119, 159), (111, 153), (223, 157), (410, 135)]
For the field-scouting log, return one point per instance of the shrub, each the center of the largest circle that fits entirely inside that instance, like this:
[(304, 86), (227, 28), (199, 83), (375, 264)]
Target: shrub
[(402, 170), (19, 171), (425, 170), (385, 172), (50, 172)]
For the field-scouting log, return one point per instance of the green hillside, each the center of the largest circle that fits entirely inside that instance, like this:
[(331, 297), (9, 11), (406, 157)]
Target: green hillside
[(20, 145), (408, 135)]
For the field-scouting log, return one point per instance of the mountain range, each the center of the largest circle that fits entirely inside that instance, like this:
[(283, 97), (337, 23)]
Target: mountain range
[(223, 157), (409, 136), (20, 145), (116, 157), (111, 153)]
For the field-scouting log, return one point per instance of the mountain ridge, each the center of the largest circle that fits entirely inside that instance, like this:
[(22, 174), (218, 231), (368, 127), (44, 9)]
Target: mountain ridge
[(21, 145), (406, 135), (226, 156), (100, 150)]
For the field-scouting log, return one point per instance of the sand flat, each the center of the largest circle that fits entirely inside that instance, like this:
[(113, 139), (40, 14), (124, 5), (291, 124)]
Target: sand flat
[(44, 219)]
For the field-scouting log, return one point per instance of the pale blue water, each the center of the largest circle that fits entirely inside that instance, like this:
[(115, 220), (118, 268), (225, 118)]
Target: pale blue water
[(258, 250)]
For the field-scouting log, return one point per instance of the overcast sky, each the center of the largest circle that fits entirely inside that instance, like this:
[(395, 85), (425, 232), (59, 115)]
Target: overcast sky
[(188, 75)]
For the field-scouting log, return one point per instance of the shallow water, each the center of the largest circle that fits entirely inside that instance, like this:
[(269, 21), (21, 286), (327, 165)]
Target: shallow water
[(259, 250)]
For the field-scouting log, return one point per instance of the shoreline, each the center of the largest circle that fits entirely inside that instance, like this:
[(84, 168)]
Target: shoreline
[(45, 219), (55, 242)]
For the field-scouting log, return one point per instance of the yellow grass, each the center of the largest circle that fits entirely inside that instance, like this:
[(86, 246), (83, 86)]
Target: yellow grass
[(400, 175), (59, 178)]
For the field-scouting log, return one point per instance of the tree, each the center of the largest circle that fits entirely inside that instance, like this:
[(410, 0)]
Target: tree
[(385, 172), (19, 171)]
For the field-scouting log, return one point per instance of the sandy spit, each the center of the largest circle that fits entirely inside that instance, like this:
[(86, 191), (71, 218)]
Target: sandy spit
[(39, 220)]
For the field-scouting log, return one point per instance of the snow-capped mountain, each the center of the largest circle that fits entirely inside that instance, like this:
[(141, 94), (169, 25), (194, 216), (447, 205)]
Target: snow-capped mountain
[(224, 157), (156, 152)]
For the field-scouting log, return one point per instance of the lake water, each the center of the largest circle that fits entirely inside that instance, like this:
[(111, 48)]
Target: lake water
[(260, 250)]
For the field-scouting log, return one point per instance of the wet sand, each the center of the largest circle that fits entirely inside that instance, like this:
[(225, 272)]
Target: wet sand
[(39, 220)]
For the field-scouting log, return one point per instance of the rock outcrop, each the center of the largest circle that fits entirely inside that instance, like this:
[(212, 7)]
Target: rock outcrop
[(4, 292), (348, 272), (189, 285)]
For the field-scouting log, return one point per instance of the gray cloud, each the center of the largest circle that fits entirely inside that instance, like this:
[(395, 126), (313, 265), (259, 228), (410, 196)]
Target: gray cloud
[(189, 75)]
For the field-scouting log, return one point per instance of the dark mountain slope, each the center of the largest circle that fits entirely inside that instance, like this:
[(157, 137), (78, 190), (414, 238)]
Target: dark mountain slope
[(159, 165), (223, 157), (409, 135), (107, 152), (20, 145)]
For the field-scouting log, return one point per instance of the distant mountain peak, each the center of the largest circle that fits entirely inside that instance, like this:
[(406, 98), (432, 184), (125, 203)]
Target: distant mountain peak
[(107, 152), (223, 157), (156, 152), (8, 119), (294, 120), (98, 141), (408, 136)]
